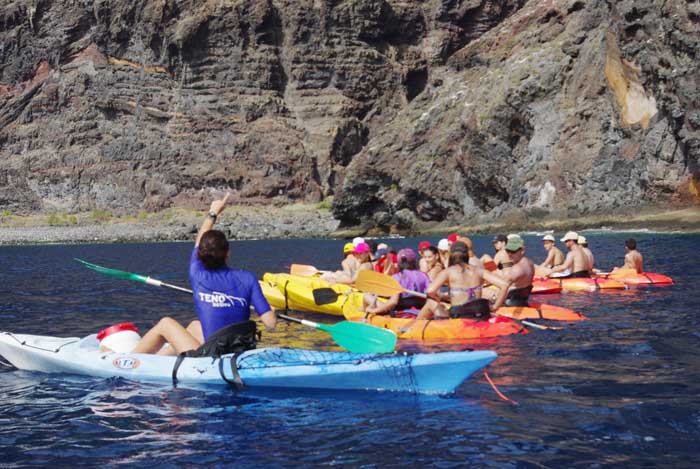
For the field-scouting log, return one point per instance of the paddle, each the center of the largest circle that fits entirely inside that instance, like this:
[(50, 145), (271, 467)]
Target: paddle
[(305, 270), (325, 296), (353, 336), (383, 285)]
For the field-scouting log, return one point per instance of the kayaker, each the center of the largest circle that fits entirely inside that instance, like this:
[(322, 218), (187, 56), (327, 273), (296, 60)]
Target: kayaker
[(633, 258), (222, 296), (554, 255), (465, 287), (583, 242), (519, 273), (444, 252), (422, 246), (501, 257), (433, 265), (575, 262), (385, 260), (410, 278)]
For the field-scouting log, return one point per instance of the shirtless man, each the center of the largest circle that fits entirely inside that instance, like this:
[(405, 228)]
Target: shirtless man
[(633, 258), (583, 242), (554, 255), (576, 260), (519, 272), (501, 257)]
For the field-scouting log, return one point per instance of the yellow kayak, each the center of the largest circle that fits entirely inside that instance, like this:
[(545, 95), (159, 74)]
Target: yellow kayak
[(300, 293)]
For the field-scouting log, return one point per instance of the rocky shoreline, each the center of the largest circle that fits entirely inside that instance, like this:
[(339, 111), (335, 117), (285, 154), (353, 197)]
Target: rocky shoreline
[(181, 225), (305, 222)]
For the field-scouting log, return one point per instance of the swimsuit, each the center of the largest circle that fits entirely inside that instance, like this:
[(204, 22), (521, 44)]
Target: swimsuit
[(469, 291), (518, 296)]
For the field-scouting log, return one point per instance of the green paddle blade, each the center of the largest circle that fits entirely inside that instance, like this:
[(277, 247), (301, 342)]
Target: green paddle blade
[(361, 338), (325, 296), (113, 272)]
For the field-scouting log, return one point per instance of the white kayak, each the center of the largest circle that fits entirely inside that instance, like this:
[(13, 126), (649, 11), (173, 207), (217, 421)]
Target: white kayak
[(434, 373)]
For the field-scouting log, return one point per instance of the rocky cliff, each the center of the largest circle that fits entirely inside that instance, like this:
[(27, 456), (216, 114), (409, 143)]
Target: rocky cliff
[(404, 111)]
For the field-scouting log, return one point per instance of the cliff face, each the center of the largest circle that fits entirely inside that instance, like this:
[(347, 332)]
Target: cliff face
[(403, 110)]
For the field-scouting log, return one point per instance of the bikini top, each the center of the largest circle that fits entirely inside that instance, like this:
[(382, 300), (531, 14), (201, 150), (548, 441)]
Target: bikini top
[(471, 292)]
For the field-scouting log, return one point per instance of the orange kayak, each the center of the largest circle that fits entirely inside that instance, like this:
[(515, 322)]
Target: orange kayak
[(540, 311), (631, 277), (589, 284), (461, 328), (545, 285)]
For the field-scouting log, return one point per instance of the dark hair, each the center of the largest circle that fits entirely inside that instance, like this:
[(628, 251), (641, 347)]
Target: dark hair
[(372, 245), (212, 249), (406, 264), (458, 257), (432, 249), (631, 244)]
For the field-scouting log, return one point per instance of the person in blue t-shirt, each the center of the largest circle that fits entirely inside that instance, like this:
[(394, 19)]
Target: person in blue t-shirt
[(222, 296)]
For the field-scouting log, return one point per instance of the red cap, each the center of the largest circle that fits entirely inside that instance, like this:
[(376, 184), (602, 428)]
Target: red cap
[(452, 238), (423, 245), (122, 326)]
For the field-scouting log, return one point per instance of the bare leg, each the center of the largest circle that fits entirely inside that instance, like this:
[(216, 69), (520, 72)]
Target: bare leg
[(194, 329), (428, 309), (167, 330)]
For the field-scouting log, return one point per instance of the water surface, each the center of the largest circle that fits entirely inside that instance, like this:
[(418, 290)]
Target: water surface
[(620, 390)]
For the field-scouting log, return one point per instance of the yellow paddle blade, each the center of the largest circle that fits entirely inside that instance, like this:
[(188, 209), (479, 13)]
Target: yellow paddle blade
[(303, 270), (373, 282)]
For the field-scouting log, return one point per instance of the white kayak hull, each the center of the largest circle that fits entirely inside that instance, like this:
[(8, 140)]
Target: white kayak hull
[(435, 373)]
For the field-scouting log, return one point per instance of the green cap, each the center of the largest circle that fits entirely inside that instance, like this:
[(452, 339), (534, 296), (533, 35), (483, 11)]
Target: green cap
[(514, 243)]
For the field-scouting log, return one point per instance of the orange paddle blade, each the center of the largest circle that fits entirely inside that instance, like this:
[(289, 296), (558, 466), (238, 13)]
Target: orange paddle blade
[(303, 270), (373, 282), (490, 266)]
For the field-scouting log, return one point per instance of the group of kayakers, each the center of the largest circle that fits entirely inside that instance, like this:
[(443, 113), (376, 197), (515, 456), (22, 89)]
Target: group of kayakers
[(223, 296), (453, 278)]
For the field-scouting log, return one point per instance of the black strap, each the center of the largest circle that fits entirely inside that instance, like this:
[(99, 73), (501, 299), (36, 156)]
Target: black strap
[(178, 361), (236, 382), (422, 333), (286, 302)]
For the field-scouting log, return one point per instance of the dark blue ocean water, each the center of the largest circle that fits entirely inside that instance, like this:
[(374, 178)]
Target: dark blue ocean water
[(620, 390)]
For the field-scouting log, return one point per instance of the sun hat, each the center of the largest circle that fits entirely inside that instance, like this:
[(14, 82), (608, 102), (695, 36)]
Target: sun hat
[(423, 245), (349, 247), (582, 239), (570, 236), (407, 253), (500, 238), (357, 241), (361, 248), (548, 237), (515, 242), (443, 245), (452, 238)]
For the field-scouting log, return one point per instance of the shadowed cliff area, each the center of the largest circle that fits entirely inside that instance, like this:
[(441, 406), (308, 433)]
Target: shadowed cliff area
[(408, 113)]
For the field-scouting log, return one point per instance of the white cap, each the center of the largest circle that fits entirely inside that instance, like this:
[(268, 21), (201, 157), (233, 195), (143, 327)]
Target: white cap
[(571, 235), (358, 240), (582, 239), (548, 238), (382, 246), (443, 245)]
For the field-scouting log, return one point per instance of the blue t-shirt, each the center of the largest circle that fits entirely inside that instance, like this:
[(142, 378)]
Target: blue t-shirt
[(224, 296)]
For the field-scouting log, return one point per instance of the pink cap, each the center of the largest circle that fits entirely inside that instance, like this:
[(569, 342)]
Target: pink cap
[(452, 238), (423, 245), (409, 254), (361, 248)]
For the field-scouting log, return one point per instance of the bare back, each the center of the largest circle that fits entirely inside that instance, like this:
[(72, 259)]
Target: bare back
[(521, 274), (634, 260)]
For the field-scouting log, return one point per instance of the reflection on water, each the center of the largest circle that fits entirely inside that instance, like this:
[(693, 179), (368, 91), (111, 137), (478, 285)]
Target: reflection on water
[(617, 390)]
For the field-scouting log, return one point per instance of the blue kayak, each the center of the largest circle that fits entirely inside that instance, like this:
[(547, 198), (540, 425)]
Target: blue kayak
[(434, 373)]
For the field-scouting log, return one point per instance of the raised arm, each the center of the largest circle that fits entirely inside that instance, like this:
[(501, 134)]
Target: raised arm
[(215, 209)]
